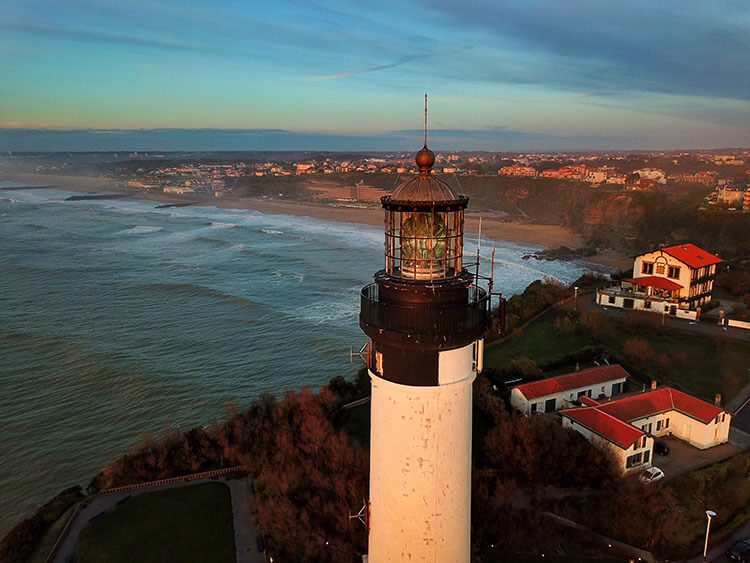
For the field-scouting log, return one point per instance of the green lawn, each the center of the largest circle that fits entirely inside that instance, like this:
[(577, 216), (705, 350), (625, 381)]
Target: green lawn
[(541, 341), (184, 524), (695, 363)]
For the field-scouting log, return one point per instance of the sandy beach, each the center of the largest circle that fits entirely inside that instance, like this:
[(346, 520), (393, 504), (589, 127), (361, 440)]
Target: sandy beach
[(525, 233)]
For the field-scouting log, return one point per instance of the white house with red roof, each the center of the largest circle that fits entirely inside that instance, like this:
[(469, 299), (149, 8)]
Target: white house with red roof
[(554, 393), (628, 425), (674, 280)]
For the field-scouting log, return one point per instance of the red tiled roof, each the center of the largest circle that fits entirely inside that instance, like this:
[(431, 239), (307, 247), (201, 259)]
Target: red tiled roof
[(655, 281), (692, 255), (659, 400), (607, 426), (588, 401), (561, 383), (611, 420)]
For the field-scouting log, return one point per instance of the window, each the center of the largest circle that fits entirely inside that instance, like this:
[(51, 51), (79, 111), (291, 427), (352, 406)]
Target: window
[(658, 425), (611, 299), (674, 272), (647, 268), (378, 363), (602, 388), (723, 417), (646, 456), (647, 304), (660, 269), (571, 396), (716, 420), (666, 423), (633, 460), (580, 394), (533, 407)]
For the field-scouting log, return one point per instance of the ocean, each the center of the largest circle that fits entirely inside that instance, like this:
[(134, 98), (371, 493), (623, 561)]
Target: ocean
[(117, 318)]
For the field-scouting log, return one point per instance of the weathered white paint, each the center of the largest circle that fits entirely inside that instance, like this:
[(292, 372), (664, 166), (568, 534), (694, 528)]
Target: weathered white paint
[(453, 365), (420, 466)]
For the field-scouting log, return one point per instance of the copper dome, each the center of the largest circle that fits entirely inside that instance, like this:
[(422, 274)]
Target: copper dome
[(424, 189)]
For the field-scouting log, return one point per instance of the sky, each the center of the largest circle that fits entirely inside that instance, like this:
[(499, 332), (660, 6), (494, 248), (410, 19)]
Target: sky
[(255, 75)]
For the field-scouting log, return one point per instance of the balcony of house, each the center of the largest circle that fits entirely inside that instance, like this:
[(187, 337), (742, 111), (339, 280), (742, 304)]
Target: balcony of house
[(438, 324), (638, 298)]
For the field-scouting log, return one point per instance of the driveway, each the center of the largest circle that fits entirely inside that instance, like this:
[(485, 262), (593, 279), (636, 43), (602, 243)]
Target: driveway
[(683, 457)]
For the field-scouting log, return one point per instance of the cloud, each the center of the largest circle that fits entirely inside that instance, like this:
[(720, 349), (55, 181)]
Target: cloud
[(666, 47), (104, 37), (495, 138), (597, 93), (402, 61)]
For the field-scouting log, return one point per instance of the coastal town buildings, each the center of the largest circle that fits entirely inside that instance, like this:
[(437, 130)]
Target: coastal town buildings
[(673, 280)]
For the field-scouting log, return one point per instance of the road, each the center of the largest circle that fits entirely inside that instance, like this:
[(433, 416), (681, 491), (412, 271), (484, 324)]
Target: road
[(243, 523)]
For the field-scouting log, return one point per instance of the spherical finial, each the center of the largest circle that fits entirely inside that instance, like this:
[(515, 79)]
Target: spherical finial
[(425, 159)]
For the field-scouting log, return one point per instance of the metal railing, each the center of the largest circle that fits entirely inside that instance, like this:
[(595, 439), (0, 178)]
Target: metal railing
[(423, 319)]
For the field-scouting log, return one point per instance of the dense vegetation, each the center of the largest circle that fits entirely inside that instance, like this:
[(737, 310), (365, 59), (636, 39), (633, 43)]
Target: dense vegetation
[(19, 543)]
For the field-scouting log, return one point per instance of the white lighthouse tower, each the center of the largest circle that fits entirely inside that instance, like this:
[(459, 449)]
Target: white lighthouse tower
[(425, 316)]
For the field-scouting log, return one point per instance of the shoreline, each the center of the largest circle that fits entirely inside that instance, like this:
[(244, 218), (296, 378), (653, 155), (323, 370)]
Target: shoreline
[(547, 236)]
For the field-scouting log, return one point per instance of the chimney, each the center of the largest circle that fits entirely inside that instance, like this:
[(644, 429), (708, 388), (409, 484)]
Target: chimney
[(717, 399), (653, 384)]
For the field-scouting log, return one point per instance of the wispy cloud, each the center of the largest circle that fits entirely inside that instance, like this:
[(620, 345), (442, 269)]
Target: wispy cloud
[(402, 61), (100, 36), (596, 93)]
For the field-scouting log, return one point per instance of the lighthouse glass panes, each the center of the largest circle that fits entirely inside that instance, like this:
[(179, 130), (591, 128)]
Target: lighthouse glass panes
[(423, 244)]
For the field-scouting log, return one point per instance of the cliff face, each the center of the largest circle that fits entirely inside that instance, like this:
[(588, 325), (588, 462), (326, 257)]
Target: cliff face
[(609, 217)]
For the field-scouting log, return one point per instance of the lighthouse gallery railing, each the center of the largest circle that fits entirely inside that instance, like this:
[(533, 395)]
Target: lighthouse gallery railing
[(471, 316)]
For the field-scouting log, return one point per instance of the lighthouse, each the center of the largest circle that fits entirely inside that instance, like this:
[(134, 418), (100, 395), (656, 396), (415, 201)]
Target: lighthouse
[(425, 315)]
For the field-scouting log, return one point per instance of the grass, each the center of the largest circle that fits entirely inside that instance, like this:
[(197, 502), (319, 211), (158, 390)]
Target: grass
[(695, 363), (541, 341), (185, 524), (47, 541)]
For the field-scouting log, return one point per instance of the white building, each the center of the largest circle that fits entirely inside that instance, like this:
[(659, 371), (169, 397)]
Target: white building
[(628, 426), (549, 395), (674, 280)]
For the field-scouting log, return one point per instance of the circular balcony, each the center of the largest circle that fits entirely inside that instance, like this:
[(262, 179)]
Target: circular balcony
[(440, 325)]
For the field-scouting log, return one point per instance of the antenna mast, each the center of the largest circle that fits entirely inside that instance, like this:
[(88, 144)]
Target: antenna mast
[(425, 119)]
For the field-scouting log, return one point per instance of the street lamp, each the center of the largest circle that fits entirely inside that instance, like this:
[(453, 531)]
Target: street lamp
[(575, 299), (709, 514)]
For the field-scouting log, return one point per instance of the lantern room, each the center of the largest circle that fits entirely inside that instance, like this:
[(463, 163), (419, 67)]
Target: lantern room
[(424, 224)]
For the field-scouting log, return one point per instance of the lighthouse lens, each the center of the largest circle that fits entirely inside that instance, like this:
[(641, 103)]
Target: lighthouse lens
[(423, 245)]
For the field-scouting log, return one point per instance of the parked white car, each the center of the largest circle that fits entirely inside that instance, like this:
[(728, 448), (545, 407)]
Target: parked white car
[(651, 474)]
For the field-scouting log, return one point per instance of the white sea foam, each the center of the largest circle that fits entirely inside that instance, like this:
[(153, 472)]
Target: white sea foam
[(272, 232), (143, 229), (220, 225)]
